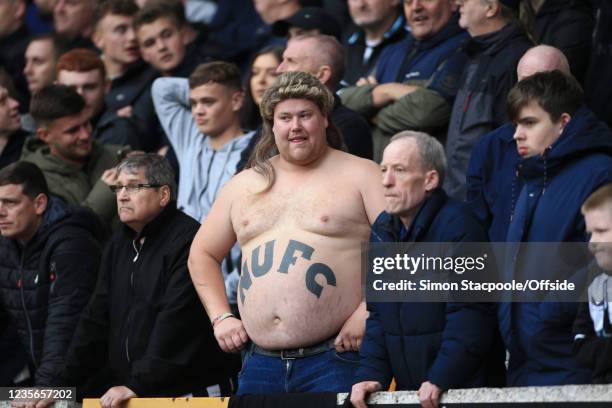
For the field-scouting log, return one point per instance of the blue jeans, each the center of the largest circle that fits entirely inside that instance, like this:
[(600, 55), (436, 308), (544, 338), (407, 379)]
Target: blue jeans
[(325, 372)]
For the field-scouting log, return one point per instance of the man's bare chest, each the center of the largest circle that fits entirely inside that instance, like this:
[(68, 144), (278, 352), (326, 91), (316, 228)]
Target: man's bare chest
[(325, 210)]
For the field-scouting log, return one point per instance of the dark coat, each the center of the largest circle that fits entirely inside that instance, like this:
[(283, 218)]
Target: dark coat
[(145, 317), (568, 26), (448, 344), (480, 105), (354, 128), (45, 285), (492, 185), (598, 84), (133, 88), (12, 58), (12, 150), (593, 349), (547, 209), (109, 128)]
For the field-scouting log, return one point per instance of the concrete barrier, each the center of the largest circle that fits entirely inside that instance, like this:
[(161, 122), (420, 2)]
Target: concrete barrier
[(567, 396), (521, 397)]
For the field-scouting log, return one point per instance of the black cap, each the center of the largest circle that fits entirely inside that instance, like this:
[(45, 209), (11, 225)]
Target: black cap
[(513, 4), (309, 18)]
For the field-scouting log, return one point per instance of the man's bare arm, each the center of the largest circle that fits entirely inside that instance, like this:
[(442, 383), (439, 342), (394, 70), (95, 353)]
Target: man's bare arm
[(372, 194), (213, 241)]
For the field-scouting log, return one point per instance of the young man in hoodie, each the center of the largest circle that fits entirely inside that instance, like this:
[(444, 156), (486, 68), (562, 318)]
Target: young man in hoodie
[(77, 168), (565, 154), (49, 258), (201, 119)]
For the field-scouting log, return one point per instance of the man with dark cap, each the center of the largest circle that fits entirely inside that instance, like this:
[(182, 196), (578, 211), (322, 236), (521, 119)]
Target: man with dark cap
[(308, 20)]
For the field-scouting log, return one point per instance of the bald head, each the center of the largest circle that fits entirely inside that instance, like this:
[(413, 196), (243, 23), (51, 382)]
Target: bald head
[(542, 58)]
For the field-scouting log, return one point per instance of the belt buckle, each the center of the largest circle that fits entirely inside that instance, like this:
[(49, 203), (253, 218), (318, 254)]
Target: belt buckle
[(291, 354)]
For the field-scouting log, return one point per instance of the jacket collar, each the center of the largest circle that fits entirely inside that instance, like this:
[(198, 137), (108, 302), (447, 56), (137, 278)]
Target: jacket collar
[(392, 225), (492, 43), (397, 29), (153, 228), (450, 30), (582, 136)]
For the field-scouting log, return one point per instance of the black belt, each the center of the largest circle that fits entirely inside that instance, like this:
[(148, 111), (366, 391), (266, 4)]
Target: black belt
[(290, 354)]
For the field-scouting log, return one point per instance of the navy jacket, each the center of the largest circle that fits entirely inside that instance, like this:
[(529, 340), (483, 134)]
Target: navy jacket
[(492, 185), (547, 209), (411, 60), (448, 344)]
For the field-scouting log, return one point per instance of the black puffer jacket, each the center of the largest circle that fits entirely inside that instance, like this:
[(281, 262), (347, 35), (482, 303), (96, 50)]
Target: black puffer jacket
[(45, 284)]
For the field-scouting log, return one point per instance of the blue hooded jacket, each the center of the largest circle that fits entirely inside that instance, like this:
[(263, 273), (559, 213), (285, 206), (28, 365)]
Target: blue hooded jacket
[(547, 209), (448, 344)]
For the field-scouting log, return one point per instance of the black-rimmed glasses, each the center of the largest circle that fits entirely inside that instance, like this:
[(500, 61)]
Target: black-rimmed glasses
[(131, 188)]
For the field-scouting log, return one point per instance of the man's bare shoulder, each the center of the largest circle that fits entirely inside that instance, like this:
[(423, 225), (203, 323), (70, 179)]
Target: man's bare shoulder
[(246, 180), (358, 166)]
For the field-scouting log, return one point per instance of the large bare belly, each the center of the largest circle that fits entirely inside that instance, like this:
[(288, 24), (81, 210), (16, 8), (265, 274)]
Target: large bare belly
[(295, 292)]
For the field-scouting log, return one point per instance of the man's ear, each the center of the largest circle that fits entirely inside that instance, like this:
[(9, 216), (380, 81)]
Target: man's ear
[(432, 180), (453, 5), (40, 203), (565, 118), (43, 134), (324, 74), (237, 100), (96, 38), (165, 198), (493, 9), (107, 85), (20, 10)]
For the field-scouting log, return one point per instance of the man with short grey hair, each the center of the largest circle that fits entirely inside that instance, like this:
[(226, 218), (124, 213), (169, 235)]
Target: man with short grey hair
[(429, 347), (154, 303)]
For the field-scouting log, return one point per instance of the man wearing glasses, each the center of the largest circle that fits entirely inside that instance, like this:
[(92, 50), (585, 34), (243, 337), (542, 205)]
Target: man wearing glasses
[(145, 318)]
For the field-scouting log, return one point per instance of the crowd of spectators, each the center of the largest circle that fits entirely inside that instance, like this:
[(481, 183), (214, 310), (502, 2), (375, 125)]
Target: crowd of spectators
[(124, 122)]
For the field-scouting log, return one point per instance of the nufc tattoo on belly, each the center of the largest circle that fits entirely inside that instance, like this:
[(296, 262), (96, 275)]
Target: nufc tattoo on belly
[(260, 267)]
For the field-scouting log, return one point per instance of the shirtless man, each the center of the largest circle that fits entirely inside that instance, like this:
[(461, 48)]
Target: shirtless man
[(300, 218)]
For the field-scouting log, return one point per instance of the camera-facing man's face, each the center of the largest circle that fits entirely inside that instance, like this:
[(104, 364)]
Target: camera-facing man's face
[(69, 137), (161, 44), (138, 203), (19, 213)]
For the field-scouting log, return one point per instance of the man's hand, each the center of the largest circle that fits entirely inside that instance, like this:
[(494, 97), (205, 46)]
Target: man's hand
[(109, 177), (43, 403), (125, 112), (351, 334), (387, 93), (116, 396), (230, 335), (360, 392), (371, 80), (429, 395)]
